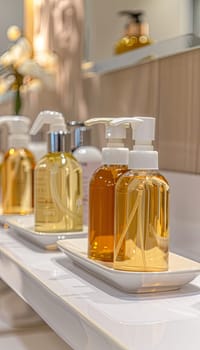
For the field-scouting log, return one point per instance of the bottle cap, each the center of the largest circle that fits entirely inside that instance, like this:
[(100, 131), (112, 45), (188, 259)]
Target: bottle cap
[(59, 139)]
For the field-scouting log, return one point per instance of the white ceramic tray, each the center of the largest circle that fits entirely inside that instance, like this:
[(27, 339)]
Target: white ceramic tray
[(181, 270), (24, 226)]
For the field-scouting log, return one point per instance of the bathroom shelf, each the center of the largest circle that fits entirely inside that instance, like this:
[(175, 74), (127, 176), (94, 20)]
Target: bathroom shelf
[(157, 50), (89, 314)]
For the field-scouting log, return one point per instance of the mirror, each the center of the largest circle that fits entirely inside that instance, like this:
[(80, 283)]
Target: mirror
[(104, 27)]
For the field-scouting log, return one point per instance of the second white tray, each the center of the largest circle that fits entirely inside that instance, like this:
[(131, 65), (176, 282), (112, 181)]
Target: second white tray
[(181, 270), (24, 226)]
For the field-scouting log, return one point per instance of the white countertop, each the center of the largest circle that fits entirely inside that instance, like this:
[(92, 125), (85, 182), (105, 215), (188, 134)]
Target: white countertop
[(87, 313)]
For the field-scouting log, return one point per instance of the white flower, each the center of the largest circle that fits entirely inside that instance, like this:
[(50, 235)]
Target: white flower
[(32, 68), (17, 54), (19, 71)]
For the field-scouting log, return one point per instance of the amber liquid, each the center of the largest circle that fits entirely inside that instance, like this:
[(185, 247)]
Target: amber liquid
[(58, 194), (131, 42), (101, 212), (141, 222), (17, 182)]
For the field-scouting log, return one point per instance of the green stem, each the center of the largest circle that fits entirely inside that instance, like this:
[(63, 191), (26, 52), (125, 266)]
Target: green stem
[(18, 102)]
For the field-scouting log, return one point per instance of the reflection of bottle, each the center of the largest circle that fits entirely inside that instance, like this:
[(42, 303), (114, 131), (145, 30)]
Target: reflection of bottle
[(90, 158), (58, 180), (141, 208), (102, 192), (17, 168), (136, 34)]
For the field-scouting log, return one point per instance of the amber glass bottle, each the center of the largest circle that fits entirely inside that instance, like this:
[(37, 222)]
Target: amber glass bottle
[(101, 211)]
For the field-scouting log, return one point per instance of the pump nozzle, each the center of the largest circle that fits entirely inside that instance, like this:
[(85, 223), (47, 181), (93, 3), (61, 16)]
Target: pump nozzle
[(58, 137), (143, 156), (114, 153), (98, 120), (143, 129), (113, 133), (18, 127), (127, 121), (54, 119)]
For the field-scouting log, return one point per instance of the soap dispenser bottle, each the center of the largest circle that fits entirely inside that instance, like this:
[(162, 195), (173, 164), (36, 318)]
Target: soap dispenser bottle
[(17, 168), (136, 34), (102, 191), (90, 158), (58, 179), (142, 207)]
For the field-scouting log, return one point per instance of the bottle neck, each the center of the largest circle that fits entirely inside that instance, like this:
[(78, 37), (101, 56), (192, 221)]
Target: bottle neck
[(59, 141)]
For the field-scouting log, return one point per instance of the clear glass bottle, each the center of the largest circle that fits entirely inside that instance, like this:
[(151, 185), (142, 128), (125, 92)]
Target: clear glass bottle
[(17, 168), (142, 207), (58, 180), (141, 225), (58, 193)]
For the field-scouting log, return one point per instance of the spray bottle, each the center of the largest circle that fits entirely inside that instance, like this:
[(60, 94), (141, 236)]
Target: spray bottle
[(142, 207), (58, 179), (17, 168), (102, 191)]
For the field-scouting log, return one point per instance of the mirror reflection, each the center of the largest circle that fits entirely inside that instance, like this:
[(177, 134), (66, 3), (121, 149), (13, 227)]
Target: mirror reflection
[(104, 27)]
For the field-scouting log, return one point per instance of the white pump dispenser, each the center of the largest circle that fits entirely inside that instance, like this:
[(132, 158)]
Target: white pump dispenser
[(58, 179), (18, 130), (58, 136), (143, 155), (17, 167), (114, 152), (142, 207), (102, 191)]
